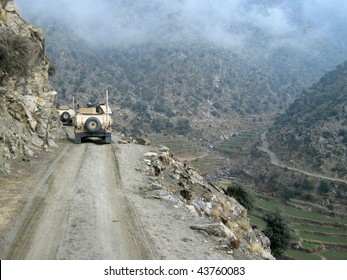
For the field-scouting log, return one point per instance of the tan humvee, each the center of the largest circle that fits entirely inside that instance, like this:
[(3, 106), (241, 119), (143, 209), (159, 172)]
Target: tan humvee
[(66, 114), (93, 121)]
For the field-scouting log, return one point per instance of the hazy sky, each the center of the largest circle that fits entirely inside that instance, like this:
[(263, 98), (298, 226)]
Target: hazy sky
[(223, 22)]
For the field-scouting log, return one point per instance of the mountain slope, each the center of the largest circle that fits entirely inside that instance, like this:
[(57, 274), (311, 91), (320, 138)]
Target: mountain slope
[(27, 121), (163, 65), (313, 132)]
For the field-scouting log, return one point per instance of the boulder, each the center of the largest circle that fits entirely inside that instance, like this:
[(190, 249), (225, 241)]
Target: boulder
[(165, 158), (27, 152), (141, 141), (216, 229), (151, 155)]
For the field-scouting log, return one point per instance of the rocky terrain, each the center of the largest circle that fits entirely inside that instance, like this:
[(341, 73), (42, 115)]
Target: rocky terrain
[(72, 202), (27, 117), (176, 77), (216, 215), (312, 134), (219, 99), (126, 200)]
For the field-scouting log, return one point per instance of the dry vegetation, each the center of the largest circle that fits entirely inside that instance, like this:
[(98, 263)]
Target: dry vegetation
[(18, 54)]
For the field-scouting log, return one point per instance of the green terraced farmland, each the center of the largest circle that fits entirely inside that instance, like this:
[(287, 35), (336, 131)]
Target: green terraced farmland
[(300, 255), (334, 255), (321, 229), (294, 212), (325, 231), (324, 238), (257, 221), (208, 164), (235, 143)]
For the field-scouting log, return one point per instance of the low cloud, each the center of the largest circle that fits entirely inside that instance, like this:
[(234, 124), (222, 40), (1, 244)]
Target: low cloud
[(228, 23)]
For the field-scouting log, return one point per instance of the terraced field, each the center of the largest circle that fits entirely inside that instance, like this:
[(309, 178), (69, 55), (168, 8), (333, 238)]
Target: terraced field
[(236, 143), (180, 146), (318, 236), (189, 151)]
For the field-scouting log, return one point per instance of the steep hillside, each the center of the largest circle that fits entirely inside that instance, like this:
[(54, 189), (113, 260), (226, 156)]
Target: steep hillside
[(312, 134), (166, 76), (154, 86), (26, 97)]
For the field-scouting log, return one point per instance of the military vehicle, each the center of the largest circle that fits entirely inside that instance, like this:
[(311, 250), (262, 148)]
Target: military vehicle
[(93, 121), (66, 114)]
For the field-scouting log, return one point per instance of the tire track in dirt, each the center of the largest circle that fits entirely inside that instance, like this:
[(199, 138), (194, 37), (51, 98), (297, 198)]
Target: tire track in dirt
[(139, 235), (35, 239), (79, 211)]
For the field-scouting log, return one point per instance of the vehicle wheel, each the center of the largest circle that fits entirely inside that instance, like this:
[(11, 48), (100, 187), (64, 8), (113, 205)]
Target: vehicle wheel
[(108, 139), (78, 139), (92, 124), (65, 117)]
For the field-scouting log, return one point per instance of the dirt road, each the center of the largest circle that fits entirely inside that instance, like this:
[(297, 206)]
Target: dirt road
[(85, 201), (275, 161), (77, 210)]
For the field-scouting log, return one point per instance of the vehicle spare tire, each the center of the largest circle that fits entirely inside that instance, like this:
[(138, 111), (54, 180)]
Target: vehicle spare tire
[(92, 124), (65, 117)]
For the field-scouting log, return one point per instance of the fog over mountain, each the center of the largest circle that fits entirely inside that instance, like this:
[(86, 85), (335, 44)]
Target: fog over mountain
[(225, 23), (197, 59)]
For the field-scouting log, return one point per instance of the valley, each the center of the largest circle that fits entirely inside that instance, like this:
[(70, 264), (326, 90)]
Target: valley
[(253, 96), (318, 234)]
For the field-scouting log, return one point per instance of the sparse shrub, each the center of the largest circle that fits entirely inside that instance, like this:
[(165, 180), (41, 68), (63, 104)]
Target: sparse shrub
[(232, 225), (183, 126), (3, 13), (52, 70), (214, 113), (318, 248), (255, 247), (324, 187), (288, 194), (244, 225), (242, 194), (17, 53), (217, 105), (307, 197), (161, 124), (306, 184), (216, 213), (279, 233)]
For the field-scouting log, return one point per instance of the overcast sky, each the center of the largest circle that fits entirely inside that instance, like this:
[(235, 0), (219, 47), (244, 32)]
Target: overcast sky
[(224, 22)]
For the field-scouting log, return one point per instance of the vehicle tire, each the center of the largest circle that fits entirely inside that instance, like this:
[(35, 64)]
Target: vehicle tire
[(92, 124), (65, 117), (78, 139)]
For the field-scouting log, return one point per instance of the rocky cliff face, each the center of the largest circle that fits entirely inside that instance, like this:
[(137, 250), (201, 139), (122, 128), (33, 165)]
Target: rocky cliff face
[(27, 120)]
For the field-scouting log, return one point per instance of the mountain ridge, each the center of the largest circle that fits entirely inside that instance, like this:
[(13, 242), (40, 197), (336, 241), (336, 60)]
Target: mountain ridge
[(312, 133)]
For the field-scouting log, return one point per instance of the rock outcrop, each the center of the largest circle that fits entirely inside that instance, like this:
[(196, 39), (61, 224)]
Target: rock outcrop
[(219, 216), (27, 117)]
